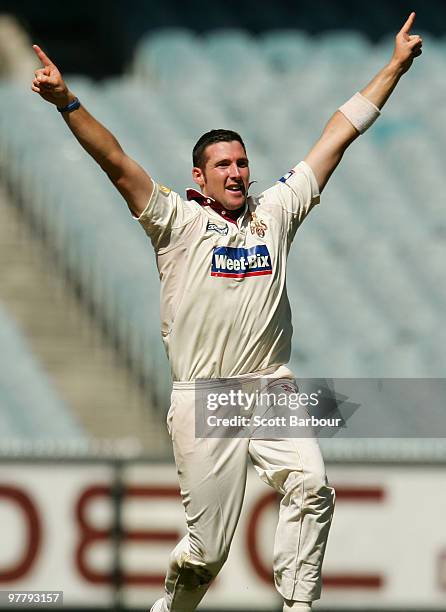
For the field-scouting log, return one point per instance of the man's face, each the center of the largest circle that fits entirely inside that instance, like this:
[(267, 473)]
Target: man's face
[(225, 177)]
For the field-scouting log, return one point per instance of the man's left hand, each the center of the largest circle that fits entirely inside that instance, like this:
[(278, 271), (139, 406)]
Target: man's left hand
[(407, 46)]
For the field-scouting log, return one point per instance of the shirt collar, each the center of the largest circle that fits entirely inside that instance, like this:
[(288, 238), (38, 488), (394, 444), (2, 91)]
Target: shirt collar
[(202, 200)]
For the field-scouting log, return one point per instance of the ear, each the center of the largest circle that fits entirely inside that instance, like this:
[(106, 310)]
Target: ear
[(198, 177)]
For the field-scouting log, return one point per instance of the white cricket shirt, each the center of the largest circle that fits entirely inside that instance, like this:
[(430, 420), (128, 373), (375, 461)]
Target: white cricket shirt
[(224, 306)]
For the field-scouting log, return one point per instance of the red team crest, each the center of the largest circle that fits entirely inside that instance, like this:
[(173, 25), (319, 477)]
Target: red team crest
[(258, 226)]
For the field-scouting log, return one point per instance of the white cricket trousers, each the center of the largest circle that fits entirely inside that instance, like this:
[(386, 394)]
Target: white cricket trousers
[(212, 475)]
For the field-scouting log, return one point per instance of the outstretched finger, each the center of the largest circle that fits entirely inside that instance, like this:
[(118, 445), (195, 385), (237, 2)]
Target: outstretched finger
[(43, 57), (409, 23)]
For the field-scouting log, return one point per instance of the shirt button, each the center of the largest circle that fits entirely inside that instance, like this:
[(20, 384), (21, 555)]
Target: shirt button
[(208, 201)]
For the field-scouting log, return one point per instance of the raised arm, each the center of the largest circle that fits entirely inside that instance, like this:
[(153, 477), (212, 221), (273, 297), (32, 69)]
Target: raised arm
[(132, 181), (340, 132)]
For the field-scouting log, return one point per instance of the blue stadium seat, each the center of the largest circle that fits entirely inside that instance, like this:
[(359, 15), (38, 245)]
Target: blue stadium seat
[(31, 411), (286, 50), (172, 55)]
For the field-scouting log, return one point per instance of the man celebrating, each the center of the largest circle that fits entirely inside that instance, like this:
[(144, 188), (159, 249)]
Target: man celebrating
[(222, 257)]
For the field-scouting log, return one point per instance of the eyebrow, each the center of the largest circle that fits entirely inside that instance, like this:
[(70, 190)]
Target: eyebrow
[(228, 161)]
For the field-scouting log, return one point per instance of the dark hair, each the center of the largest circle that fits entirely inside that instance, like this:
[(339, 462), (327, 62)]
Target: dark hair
[(198, 153)]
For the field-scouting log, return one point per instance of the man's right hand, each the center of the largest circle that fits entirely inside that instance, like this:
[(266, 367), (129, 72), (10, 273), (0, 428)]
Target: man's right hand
[(48, 81), (132, 181)]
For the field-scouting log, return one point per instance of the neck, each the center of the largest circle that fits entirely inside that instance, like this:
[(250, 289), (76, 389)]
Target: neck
[(205, 200), (228, 213)]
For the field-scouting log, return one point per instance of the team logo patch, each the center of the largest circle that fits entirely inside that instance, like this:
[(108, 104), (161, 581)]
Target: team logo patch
[(213, 227), (240, 262), (258, 226), (286, 176), (165, 190)]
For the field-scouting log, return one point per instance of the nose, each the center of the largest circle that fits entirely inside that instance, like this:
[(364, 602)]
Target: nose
[(234, 170)]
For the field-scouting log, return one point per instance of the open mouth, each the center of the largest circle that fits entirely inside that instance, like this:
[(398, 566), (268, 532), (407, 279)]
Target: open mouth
[(236, 189)]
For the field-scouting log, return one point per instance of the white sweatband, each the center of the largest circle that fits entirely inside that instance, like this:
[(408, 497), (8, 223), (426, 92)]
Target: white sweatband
[(360, 112)]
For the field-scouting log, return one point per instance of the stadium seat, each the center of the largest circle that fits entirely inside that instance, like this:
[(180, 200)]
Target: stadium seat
[(31, 411), (286, 50)]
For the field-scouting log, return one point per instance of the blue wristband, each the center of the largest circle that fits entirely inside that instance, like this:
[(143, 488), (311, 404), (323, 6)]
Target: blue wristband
[(69, 108)]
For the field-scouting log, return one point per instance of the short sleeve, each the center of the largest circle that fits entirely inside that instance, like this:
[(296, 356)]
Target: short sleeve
[(299, 191), (165, 212)]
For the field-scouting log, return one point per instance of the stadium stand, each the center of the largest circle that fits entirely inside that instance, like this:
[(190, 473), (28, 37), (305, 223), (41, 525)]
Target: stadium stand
[(84, 223), (85, 370), (366, 275), (31, 411)]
